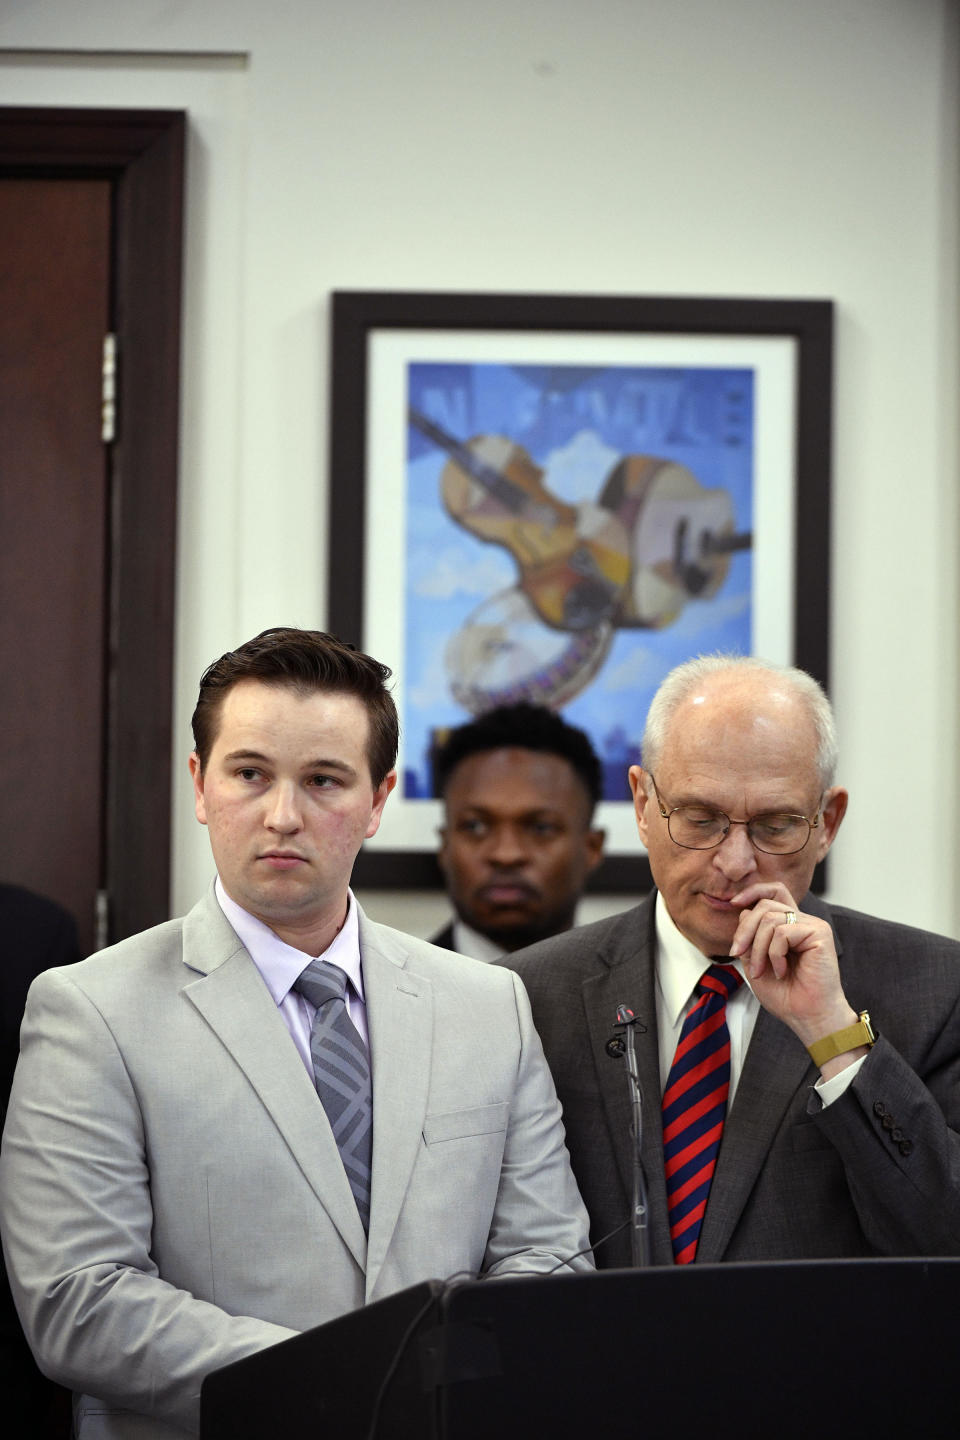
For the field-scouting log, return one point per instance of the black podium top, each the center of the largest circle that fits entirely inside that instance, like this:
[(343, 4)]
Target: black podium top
[(801, 1349)]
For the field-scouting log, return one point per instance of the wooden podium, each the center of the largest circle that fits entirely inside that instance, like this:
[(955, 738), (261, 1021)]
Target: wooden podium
[(793, 1351)]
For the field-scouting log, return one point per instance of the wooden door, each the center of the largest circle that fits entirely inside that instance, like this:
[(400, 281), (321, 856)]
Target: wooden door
[(90, 243), (55, 308)]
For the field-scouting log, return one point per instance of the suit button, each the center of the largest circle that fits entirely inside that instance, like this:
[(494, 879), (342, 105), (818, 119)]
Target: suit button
[(896, 1135), (879, 1108), (906, 1147), (888, 1122)]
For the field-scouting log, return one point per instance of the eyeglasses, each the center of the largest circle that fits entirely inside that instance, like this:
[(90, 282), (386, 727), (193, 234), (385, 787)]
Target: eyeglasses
[(701, 827)]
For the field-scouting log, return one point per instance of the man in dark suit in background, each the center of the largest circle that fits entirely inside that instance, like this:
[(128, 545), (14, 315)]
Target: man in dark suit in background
[(519, 787), (35, 935), (813, 1110)]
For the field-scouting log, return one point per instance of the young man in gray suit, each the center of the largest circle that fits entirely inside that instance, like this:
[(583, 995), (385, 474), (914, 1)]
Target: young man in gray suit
[(810, 1075), (187, 1172)]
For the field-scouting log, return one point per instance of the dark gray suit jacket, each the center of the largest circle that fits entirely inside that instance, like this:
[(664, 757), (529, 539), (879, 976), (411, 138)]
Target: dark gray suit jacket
[(875, 1173)]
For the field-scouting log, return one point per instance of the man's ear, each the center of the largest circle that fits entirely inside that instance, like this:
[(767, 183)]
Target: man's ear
[(199, 804), (596, 839), (637, 777), (379, 800), (442, 848), (832, 813)]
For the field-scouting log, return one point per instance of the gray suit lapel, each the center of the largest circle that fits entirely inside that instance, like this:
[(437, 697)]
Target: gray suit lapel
[(627, 976), (400, 1021), (232, 997)]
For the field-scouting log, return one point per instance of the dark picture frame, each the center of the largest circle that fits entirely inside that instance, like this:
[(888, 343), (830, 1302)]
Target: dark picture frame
[(360, 317)]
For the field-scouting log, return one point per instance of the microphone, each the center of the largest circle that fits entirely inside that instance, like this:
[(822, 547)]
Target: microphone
[(619, 1046)]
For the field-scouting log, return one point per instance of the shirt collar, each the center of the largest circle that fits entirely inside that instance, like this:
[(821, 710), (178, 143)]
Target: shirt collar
[(280, 964), (467, 941), (679, 963)]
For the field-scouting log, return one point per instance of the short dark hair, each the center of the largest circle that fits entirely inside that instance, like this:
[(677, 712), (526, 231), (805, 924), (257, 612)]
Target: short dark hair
[(303, 660), (525, 727)]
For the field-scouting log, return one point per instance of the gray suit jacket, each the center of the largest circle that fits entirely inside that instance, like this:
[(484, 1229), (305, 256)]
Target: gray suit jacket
[(171, 1194), (876, 1173)]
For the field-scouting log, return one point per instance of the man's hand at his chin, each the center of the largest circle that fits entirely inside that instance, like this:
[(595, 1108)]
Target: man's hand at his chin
[(790, 961)]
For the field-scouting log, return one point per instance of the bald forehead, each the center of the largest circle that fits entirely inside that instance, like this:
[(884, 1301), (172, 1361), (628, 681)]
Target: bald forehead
[(755, 714), (745, 692)]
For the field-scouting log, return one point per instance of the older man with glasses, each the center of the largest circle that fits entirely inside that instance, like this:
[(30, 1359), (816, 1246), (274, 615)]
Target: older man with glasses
[(799, 1063)]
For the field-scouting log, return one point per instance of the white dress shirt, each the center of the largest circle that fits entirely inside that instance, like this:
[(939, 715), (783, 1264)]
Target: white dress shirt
[(467, 941), (281, 964)]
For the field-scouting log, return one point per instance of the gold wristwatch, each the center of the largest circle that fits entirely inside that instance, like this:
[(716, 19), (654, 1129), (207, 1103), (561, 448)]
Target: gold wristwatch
[(841, 1041)]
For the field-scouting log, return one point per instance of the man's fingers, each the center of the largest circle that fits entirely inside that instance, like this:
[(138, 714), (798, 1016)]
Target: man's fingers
[(764, 916)]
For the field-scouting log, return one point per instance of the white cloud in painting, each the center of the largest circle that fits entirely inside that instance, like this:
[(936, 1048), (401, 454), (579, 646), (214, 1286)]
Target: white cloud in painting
[(440, 577), (577, 470), (432, 690)]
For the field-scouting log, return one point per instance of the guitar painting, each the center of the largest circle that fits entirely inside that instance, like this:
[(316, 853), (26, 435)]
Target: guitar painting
[(570, 532), (573, 560), (655, 539)]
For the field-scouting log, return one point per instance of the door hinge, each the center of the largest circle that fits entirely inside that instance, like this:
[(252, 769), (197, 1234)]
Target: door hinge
[(101, 920), (108, 390)]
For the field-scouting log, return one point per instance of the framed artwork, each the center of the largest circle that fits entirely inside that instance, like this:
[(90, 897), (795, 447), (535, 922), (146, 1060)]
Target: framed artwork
[(559, 498)]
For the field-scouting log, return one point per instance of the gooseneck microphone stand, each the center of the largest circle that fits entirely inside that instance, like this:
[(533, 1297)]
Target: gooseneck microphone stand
[(624, 1045)]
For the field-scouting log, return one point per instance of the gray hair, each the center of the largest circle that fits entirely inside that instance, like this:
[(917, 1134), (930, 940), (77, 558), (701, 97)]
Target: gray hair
[(684, 679)]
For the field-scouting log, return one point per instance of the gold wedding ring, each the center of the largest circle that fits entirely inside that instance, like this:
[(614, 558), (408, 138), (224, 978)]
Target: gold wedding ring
[(790, 917)]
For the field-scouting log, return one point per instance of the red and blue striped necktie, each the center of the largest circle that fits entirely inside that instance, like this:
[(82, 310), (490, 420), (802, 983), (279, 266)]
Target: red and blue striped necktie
[(694, 1107)]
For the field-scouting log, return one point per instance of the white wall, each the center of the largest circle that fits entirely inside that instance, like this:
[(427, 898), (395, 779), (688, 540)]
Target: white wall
[(758, 147)]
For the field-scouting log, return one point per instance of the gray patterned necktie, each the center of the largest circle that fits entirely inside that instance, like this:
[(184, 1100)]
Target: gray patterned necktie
[(341, 1071)]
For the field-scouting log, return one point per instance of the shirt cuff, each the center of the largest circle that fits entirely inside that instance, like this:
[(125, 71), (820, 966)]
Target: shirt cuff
[(832, 1089)]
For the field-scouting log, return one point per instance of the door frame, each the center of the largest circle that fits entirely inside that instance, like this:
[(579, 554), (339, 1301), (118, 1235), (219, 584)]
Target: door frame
[(142, 153)]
